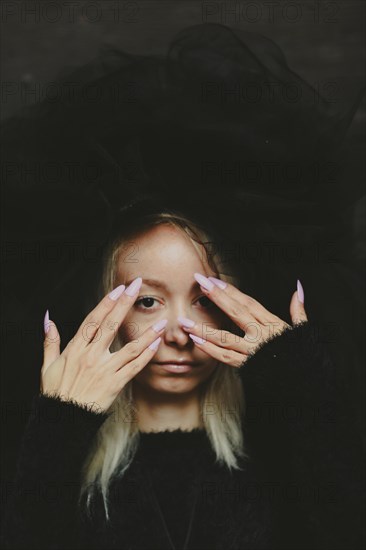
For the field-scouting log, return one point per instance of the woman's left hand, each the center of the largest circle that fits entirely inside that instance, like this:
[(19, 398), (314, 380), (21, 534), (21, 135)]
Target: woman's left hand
[(258, 324)]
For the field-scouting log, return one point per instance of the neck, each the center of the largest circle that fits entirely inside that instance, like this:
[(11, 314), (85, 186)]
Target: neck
[(159, 411)]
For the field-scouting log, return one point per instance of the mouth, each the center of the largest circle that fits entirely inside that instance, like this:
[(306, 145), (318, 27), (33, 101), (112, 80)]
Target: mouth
[(177, 366)]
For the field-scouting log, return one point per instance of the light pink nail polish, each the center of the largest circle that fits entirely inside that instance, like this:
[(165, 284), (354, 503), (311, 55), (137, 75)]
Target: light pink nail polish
[(159, 325), (134, 287), (300, 292), (188, 323), (155, 343), (116, 293), (218, 282), (197, 339), (204, 281), (46, 322)]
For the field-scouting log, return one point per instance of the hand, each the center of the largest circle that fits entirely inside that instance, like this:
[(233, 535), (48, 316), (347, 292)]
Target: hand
[(86, 371), (258, 324)]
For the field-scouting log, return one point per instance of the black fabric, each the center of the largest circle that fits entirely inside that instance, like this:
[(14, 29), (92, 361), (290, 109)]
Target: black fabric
[(302, 487)]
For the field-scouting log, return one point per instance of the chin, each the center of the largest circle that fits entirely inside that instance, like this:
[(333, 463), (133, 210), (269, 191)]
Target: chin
[(174, 388), (172, 382)]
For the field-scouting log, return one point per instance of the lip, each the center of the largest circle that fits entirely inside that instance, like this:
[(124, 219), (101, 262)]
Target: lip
[(176, 366), (176, 362)]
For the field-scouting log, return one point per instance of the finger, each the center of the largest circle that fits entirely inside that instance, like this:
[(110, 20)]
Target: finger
[(222, 338), (113, 320), (297, 309), (51, 342), (227, 356), (125, 373), (254, 307), (237, 311), (93, 320), (133, 349)]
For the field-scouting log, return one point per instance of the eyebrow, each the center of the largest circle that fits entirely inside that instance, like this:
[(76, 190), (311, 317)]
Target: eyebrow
[(156, 283)]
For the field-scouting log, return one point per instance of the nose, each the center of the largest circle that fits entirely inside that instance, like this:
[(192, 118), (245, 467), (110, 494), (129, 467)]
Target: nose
[(174, 334)]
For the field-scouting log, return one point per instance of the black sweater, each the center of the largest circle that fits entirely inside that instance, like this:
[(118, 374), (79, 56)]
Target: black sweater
[(301, 488)]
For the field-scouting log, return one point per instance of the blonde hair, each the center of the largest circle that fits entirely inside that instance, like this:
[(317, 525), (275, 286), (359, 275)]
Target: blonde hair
[(117, 439)]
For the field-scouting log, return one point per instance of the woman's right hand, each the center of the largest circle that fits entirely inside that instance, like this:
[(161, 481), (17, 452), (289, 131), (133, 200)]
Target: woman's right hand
[(86, 371)]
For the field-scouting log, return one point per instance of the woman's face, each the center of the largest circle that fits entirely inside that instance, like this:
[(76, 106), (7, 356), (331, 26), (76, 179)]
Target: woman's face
[(166, 260)]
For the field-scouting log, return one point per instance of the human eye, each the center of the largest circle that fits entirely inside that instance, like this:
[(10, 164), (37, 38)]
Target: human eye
[(147, 301), (207, 303)]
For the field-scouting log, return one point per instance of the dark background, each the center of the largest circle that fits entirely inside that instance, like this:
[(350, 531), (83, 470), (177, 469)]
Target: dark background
[(324, 44)]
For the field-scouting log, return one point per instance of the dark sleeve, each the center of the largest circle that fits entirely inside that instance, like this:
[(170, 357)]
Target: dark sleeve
[(41, 509), (299, 431)]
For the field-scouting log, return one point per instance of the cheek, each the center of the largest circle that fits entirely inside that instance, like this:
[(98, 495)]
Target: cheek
[(130, 330)]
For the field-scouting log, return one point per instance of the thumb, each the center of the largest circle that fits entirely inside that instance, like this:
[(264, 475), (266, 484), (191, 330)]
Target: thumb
[(51, 343), (297, 310)]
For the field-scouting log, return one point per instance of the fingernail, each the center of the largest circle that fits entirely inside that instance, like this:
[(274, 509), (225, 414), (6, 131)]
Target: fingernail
[(155, 343), (116, 293), (186, 322), (160, 325), (134, 287), (300, 292), (204, 281), (46, 322), (197, 339), (218, 282)]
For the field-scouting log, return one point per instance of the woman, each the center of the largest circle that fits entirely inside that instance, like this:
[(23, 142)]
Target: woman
[(175, 457), (253, 446)]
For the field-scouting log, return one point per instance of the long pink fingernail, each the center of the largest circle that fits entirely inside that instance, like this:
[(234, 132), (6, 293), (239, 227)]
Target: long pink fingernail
[(300, 292), (116, 293), (134, 287), (188, 323), (197, 339), (218, 282), (155, 343), (46, 322), (159, 325), (204, 281)]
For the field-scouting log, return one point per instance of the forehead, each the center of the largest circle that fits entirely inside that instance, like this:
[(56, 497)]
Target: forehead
[(159, 250)]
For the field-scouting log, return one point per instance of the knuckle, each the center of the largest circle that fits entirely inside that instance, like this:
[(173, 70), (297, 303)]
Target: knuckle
[(110, 325), (46, 344), (87, 362), (132, 348), (236, 312), (136, 366), (91, 319), (275, 320), (48, 341), (253, 327), (225, 356), (225, 338), (88, 330)]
